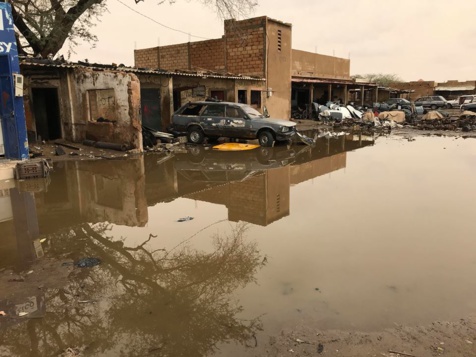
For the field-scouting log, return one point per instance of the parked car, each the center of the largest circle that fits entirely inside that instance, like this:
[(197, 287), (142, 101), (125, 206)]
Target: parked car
[(398, 101), (433, 102), (469, 104), (212, 120), (453, 103)]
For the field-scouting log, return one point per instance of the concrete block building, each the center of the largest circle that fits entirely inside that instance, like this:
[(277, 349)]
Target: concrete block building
[(259, 47)]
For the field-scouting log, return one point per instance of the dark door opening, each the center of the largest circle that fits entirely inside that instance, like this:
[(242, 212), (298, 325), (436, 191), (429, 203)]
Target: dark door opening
[(217, 94), (150, 103), (46, 110), (177, 99)]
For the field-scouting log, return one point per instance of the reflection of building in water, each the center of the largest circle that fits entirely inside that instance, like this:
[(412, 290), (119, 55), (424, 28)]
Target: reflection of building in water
[(19, 238), (262, 196), (78, 192), (95, 191), (318, 167), (260, 199)]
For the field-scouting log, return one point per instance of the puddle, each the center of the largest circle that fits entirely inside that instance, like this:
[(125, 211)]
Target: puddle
[(207, 253)]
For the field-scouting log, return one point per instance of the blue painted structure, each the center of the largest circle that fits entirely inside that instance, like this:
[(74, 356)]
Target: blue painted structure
[(12, 111)]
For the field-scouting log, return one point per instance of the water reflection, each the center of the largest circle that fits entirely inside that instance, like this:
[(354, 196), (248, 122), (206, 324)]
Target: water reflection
[(142, 299)]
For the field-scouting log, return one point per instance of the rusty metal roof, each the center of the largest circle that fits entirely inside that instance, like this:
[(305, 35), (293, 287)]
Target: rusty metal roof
[(46, 63)]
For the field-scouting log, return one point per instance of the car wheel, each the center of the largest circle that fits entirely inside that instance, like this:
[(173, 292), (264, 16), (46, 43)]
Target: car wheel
[(449, 106), (266, 139), (197, 153), (195, 135), (264, 155), (434, 107)]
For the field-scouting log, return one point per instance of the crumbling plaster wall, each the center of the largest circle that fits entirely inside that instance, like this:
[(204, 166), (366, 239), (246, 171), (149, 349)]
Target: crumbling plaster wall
[(120, 99)]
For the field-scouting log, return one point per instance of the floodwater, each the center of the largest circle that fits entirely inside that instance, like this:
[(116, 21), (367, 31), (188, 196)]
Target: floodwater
[(209, 253)]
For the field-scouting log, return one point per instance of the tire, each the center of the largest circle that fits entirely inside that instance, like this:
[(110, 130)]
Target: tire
[(449, 106), (197, 153), (264, 155), (195, 135), (266, 138), (433, 107)]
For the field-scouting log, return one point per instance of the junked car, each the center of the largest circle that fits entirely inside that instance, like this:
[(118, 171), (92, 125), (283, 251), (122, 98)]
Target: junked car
[(212, 120), (433, 102)]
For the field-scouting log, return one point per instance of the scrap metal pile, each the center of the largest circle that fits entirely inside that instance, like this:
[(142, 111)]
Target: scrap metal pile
[(348, 117)]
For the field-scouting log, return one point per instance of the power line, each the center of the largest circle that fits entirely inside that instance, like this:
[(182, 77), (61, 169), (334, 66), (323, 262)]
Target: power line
[(158, 23)]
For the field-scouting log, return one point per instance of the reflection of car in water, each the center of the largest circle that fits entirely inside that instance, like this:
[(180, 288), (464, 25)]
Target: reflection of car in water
[(231, 163)]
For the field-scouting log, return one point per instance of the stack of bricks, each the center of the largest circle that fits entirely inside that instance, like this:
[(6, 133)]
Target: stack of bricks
[(245, 46)]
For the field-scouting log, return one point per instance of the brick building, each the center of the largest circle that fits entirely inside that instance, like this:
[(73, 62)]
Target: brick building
[(259, 47)]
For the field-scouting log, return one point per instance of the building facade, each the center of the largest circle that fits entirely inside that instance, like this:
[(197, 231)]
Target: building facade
[(260, 47)]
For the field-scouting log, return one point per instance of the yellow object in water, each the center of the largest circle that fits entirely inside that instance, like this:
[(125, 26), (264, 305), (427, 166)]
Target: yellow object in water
[(235, 147)]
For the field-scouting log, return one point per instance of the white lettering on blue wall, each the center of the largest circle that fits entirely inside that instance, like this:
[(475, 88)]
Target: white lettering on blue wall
[(5, 47), (1, 20)]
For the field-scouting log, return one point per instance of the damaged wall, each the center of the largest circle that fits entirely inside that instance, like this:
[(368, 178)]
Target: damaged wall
[(115, 94)]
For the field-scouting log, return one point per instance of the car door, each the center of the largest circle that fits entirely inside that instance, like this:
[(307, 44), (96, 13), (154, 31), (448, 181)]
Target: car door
[(213, 120), (235, 122)]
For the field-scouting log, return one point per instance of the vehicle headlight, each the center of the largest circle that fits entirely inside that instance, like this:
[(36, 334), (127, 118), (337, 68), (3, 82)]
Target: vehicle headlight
[(285, 129)]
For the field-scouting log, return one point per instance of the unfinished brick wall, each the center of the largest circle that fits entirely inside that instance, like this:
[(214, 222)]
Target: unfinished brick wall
[(147, 58), (208, 55), (245, 46), (174, 57), (248, 200)]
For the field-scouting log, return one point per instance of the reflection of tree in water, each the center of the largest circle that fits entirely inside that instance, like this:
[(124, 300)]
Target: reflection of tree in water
[(170, 303)]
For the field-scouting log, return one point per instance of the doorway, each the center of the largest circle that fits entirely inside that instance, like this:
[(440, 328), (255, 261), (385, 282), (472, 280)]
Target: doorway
[(150, 103), (46, 111)]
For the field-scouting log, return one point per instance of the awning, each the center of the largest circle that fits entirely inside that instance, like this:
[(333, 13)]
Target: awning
[(330, 81), (455, 89)]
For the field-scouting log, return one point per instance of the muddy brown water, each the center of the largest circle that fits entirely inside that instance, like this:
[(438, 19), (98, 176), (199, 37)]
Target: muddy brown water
[(212, 253)]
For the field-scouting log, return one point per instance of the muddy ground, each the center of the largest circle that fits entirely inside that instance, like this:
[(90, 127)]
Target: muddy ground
[(442, 338)]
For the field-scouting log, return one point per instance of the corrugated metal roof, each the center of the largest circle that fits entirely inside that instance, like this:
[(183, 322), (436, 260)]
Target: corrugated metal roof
[(455, 89), (102, 67)]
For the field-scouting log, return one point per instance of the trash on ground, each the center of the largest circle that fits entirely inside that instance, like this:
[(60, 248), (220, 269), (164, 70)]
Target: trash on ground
[(433, 115), (235, 147), (320, 348), (59, 151), (305, 139), (3, 313), (87, 262), (185, 219), (395, 115), (38, 168), (23, 313)]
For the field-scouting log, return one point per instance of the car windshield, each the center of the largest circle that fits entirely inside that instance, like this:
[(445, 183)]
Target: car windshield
[(252, 113)]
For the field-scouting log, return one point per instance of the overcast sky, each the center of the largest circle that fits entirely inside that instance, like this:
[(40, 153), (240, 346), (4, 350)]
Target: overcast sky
[(414, 39)]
